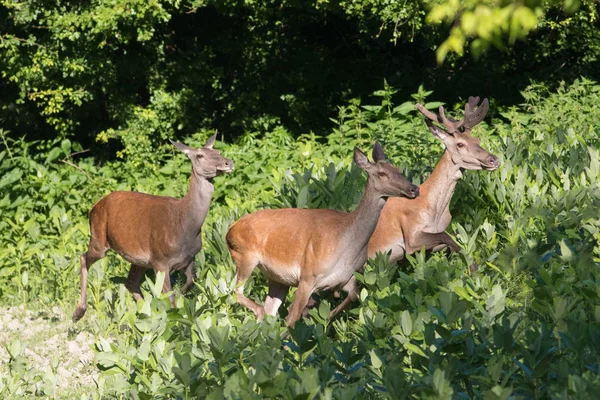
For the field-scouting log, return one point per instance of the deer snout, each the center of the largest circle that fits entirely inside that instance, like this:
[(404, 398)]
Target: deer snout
[(493, 162), (227, 166), (413, 191)]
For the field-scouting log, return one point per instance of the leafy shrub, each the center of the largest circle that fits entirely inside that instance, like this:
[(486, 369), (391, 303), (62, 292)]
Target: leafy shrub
[(524, 323)]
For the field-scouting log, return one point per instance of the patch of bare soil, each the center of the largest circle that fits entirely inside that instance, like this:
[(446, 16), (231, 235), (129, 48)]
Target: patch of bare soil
[(47, 337)]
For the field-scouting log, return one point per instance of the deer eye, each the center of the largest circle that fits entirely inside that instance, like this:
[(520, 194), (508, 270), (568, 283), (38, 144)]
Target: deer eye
[(382, 174), (199, 156), (460, 145)]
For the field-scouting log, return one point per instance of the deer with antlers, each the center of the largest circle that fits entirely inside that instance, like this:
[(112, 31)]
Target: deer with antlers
[(406, 227)]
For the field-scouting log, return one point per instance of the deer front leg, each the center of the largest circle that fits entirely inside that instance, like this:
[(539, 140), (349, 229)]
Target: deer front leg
[(432, 242), (313, 301), (190, 277), (134, 280), (300, 301)]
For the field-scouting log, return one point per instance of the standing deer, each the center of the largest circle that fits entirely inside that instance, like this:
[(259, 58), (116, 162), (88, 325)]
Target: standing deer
[(407, 227), (154, 232), (312, 249)]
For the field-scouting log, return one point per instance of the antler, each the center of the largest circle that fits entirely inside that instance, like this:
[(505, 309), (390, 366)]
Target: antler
[(473, 115)]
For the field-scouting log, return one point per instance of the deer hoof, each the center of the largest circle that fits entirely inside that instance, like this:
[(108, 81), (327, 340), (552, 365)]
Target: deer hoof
[(78, 313)]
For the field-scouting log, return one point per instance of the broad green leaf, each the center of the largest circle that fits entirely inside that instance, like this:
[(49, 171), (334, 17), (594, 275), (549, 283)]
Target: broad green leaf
[(107, 360), (457, 311), (53, 155), (459, 290), (370, 277), (10, 177), (324, 310), (415, 349), (156, 288), (565, 250), (65, 146), (144, 349), (375, 360), (406, 322), (303, 197)]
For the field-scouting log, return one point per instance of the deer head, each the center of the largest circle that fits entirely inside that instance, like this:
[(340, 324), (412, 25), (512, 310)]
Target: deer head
[(206, 161), (463, 148), (385, 178)]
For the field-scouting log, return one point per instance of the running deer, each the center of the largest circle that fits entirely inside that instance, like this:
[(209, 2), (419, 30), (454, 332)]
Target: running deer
[(407, 227), (313, 249), (154, 232)]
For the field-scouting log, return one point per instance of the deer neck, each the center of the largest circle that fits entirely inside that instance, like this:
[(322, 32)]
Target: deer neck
[(364, 217), (437, 190), (196, 202)]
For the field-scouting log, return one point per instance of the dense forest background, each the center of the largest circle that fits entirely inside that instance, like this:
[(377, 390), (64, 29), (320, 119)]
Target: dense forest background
[(96, 70)]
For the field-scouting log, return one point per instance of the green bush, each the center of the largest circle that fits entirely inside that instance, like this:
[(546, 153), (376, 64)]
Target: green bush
[(524, 323)]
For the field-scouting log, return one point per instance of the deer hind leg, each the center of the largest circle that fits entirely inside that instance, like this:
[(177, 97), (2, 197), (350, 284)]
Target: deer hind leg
[(96, 251), (190, 277), (243, 269), (276, 296), (351, 288), (134, 280)]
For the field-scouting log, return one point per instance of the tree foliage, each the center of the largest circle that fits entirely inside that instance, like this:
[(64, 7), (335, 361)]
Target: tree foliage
[(483, 23), (98, 69)]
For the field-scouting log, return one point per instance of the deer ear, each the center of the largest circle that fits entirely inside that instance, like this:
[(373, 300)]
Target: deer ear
[(360, 158), (437, 131), (186, 150), (378, 154), (211, 141)]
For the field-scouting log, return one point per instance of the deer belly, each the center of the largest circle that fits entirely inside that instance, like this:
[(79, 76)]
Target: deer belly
[(288, 275), (337, 276), (138, 259), (334, 280)]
